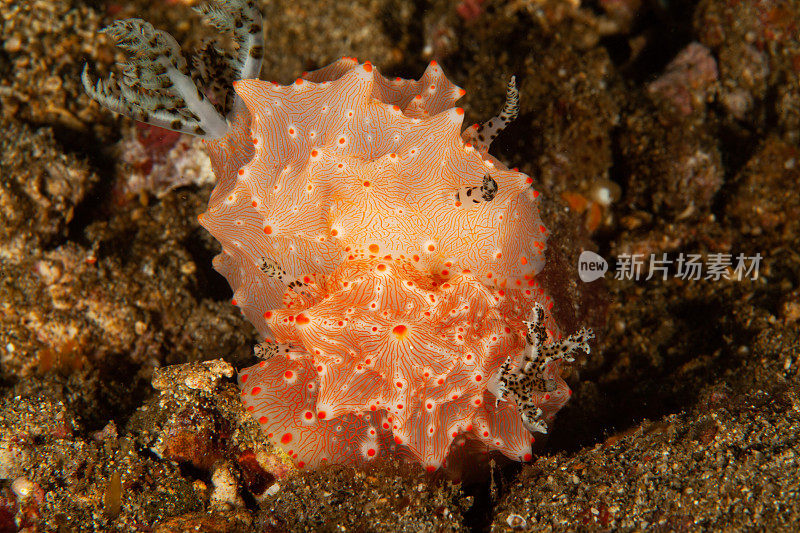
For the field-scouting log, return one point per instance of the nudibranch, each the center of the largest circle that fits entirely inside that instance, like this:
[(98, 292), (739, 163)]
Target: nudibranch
[(387, 260)]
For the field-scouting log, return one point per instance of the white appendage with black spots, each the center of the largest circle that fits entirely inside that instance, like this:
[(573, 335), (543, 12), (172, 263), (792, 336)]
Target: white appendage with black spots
[(159, 88), (521, 384), (470, 196), (274, 270), (268, 349), (483, 136)]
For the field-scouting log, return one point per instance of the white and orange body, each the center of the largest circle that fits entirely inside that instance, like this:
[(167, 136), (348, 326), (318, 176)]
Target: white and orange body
[(350, 178), (393, 313)]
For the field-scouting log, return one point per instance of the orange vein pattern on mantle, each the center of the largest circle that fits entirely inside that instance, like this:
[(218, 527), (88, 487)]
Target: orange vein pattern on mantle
[(386, 259)]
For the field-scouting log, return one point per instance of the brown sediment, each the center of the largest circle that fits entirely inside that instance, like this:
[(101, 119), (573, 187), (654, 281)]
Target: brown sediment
[(688, 399)]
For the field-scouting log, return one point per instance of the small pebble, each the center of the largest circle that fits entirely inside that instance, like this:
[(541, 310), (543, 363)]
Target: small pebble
[(22, 487)]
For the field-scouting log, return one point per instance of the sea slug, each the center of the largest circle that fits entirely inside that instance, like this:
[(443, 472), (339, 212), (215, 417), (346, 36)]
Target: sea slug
[(386, 259)]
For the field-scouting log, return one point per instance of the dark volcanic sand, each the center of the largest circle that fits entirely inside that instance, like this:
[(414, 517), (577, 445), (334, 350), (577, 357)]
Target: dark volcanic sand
[(685, 416)]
